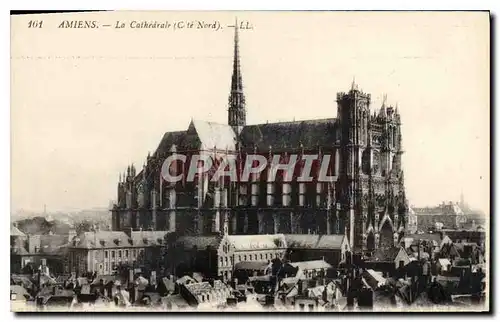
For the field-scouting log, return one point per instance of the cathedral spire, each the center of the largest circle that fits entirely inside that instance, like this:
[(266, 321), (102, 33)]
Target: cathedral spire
[(236, 82), (236, 112)]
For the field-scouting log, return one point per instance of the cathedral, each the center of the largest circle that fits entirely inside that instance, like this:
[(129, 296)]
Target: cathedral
[(365, 201)]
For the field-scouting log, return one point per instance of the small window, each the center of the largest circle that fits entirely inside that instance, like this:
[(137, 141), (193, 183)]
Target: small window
[(250, 257), (261, 256), (134, 253), (105, 254), (239, 258), (244, 257), (119, 254), (126, 253), (112, 254)]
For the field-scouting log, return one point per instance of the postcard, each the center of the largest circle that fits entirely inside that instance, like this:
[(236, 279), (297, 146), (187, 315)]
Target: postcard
[(246, 161)]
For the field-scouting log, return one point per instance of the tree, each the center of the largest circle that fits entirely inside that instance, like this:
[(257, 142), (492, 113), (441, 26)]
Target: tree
[(83, 226)]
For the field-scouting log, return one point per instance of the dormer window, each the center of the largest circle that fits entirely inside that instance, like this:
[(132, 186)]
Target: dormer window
[(103, 243), (117, 241), (145, 241)]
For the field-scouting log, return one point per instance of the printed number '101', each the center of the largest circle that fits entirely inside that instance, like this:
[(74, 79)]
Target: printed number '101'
[(35, 24)]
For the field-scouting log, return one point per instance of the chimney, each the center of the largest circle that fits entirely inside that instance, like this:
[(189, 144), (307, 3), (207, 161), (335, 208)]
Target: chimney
[(301, 287)]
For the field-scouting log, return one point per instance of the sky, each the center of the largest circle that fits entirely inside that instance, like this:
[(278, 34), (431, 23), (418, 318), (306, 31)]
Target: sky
[(85, 103)]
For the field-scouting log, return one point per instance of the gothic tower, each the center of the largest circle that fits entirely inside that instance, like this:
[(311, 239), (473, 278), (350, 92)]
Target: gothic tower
[(386, 204), (353, 116), (236, 111)]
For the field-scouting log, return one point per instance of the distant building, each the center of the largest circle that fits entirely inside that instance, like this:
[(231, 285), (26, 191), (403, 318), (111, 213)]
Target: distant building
[(433, 243), (449, 214), (104, 251), (466, 236), (45, 252), (412, 225)]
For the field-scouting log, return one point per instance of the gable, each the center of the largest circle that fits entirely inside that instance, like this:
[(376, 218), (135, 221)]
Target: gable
[(402, 256), (209, 135)]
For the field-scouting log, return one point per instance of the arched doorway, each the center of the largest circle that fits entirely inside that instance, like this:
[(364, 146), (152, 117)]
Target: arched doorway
[(386, 237)]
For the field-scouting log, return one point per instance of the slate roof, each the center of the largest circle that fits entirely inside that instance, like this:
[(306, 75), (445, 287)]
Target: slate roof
[(206, 135), (386, 255), (14, 231), (18, 250), (20, 292), (148, 238), (309, 133), (315, 264), (314, 241), (253, 242), (114, 239), (426, 236), (21, 279), (53, 244), (199, 242), (185, 280), (263, 278), (211, 135), (168, 140), (44, 279), (199, 288), (101, 239), (258, 266), (169, 284), (373, 278), (105, 279)]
